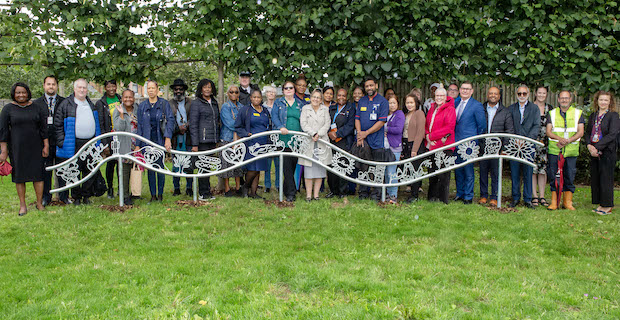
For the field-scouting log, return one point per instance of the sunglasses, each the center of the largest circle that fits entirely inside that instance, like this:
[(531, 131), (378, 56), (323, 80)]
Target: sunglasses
[(233, 92), (288, 88), (523, 94)]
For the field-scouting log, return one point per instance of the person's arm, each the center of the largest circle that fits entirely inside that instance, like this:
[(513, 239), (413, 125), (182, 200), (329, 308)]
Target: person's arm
[(240, 123), (481, 119), (326, 124), (303, 121), (59, 123), (612, 133), (397, 124), (347, 129), (170, 124), (43, 114), (275, 114), (4, 134), (509, 124), (535, 128), (226, 116), (119, 122)]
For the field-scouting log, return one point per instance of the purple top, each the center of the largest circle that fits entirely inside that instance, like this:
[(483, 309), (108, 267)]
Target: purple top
[(394, 128)]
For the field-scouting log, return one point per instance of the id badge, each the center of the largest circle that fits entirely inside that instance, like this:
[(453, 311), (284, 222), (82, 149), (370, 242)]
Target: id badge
[(373, 116), (50, 120), (333, 126), (595, 138)]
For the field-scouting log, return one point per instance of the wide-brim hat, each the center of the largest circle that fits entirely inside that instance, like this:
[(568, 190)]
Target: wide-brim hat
[(178, 82)]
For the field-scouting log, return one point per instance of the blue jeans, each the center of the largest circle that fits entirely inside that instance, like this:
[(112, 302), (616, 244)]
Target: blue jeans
[(389, 171), (570, 170), (275, 160), (520, 171), (488, 166), (157, 180)]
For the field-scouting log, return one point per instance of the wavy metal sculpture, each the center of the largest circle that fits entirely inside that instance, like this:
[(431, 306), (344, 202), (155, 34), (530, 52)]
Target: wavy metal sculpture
[(208, 163)]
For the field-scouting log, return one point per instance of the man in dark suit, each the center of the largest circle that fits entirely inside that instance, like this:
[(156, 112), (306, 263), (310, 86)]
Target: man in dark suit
[(246, 88), (526, 117), (470, 121), (50, 100), (499, 120)]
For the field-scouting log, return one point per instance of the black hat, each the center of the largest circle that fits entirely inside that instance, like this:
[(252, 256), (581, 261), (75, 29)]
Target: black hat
[(178, 82), (245, 74)]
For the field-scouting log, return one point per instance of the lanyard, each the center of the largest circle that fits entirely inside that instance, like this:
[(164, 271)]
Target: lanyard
[(337, 112)]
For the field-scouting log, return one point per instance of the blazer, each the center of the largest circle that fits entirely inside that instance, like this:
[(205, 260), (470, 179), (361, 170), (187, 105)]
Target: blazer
[(51, 132), (442, 126), (312, 123), (345, 122), (610, 127), (472, 121), (530, 126)]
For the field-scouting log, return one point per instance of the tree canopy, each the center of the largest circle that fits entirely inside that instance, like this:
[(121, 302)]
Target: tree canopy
[(561, 44)]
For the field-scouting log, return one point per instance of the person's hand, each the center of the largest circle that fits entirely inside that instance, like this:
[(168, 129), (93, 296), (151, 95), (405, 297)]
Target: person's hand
[(136, 149), (183, 128), (413, 153), (283, 130), (194, 149), (593, 151), (362, 135), (332, 135), (106, 152), (315, 137), (444, 139), (168, 144), (360, 143), (3, 157), (45, 152)]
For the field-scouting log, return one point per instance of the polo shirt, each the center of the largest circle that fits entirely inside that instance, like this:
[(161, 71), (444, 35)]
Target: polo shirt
[(366, 107)]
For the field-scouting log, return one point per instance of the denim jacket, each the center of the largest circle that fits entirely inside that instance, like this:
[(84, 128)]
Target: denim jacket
[(279, 112), (228, 115), (162, 111)]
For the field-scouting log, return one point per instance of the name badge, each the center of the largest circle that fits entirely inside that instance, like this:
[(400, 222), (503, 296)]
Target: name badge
[(50, 120), (256, 114), (373, 116), (363, 109), (333, 126)]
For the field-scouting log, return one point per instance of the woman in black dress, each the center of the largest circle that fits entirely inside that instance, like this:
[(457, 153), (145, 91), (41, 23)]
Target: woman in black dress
[(23, 138)]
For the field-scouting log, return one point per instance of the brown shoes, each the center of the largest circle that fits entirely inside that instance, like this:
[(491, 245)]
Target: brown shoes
[(482, 201)]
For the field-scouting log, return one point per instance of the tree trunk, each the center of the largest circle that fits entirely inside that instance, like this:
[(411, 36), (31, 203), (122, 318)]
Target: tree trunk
[(220, 76)]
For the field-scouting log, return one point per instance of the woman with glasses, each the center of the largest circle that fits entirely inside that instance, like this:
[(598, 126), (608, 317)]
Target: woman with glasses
[(285, 117), (228, 116)]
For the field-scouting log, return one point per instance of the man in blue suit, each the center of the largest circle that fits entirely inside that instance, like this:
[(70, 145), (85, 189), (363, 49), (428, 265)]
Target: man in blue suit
[(470, 121), (526, 118)]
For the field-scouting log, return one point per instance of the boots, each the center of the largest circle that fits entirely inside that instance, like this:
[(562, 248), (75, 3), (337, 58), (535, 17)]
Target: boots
[(554, 201), (568, 200)]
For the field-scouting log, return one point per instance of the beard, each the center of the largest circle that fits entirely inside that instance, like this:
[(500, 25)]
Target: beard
[(179, 96), (522, 99)]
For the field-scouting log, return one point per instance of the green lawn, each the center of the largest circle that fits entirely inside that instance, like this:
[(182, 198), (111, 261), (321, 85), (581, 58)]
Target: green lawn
[(244, 259)]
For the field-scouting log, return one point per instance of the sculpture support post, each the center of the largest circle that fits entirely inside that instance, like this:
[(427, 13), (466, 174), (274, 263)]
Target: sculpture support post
[(121, 189), (281, 182), (499, 183)]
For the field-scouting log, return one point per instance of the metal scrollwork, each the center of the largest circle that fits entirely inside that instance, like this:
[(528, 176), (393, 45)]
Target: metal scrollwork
[(275, 146), (93, 151), (342, 163), (521, 149), (410, 173), (299, 144), (442, 160), (152, 155), (234, 154), (492, 146), (468, 150), (69, 172), (115, 145), (374, 174), (208, 164), (182, 162)]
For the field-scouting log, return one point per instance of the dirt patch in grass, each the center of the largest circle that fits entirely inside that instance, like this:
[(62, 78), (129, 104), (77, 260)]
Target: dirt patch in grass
[(280, 204), (115, 208), (280, 290), (192, 203), (387, 204), (55, 203), (502, 209), (337, 204)]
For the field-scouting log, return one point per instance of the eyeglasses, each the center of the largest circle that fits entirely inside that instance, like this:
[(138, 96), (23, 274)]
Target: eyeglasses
[(233, 92), (467, 89), (288, 88), (522, 94)]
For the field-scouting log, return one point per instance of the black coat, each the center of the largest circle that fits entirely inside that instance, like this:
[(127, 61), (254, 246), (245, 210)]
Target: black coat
[(531, 120), (610, 127), (51, 133), (244, 97), (204, 122), (345, 122), (174, 106)]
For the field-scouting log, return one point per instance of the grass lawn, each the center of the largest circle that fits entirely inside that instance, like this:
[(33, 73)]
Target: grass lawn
[(245, 259)]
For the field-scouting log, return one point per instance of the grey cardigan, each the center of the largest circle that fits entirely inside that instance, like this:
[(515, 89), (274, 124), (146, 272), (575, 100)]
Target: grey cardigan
[(123, 125)]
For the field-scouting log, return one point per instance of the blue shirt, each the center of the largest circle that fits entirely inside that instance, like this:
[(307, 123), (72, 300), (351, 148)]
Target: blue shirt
[(369, 111), (304, 101), (491, 111)]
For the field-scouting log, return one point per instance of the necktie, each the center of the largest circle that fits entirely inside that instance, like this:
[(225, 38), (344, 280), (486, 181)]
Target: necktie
[(50, 105), (460, 111)]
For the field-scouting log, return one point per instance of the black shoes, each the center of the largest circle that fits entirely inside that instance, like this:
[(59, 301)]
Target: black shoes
[(153, 199), (514, 203), (329, 195), (267, 190), (457, 198), (230, 193), (78, 201), (529, 205), (110, 193), (160, 198), (177, 192), (189, 192), (290, 199), (467, 201)]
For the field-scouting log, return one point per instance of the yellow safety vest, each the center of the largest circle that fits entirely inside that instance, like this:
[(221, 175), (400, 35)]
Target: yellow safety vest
[(565, 129)]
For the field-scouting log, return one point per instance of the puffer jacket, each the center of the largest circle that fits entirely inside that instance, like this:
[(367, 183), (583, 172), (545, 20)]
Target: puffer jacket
[(204, 122), (64, 125)]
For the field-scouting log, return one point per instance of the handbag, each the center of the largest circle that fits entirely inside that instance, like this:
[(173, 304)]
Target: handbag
[(135, 180), (99, 185), (5, 168)]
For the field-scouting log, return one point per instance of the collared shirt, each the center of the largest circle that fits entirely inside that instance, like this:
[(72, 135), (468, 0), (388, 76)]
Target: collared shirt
[(491, 111), (51, 106), (522, 110), (181, 113), (366, 107), (461, 108)]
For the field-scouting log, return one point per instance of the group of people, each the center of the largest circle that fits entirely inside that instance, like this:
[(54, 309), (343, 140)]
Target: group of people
[(37, 134)]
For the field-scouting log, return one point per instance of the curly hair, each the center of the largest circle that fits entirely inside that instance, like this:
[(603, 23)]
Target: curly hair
[(612, 102)]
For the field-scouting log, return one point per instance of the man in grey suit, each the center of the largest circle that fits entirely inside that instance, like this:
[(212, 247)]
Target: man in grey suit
[(526, 118), (499, 120)]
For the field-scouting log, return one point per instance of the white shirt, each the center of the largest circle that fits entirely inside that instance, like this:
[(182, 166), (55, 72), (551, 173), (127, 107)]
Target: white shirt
[(84, 120), (522, 110), (47, 102), (461, 108)]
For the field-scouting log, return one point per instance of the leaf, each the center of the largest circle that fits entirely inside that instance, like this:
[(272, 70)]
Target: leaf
[(386, 66)]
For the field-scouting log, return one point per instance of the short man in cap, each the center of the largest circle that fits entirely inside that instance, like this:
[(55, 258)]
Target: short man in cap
[(245, 87), (180, 106), (110, 101)]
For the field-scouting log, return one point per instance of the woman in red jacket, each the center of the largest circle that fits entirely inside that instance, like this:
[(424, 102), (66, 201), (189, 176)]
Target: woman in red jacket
[(440, 123)]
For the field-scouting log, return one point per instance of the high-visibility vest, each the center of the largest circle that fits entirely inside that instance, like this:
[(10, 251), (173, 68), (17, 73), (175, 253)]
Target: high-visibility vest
[(565, 128)]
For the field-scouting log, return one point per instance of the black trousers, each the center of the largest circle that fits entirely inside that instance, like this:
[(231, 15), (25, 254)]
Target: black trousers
[(110, 172), (50, 160), (126, 175), (439, 185), (602, 179), (288, 167), (415, 187), (337, 185), (204, 185), (379, 155)]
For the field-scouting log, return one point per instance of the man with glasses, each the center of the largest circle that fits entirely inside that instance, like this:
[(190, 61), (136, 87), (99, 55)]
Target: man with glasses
[(50, 100), (526, 119), (453, 91), (565, 127), (180, 106), (470, 121)]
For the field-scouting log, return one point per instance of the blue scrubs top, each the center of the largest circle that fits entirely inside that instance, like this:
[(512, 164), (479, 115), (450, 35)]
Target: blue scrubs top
[(369, 111)]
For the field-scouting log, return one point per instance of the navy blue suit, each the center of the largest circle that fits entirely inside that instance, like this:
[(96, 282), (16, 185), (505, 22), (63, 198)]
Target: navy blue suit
[(471, 122)]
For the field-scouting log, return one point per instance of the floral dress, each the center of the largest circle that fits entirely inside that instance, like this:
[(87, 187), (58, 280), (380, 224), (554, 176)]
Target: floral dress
[(541, 152)]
